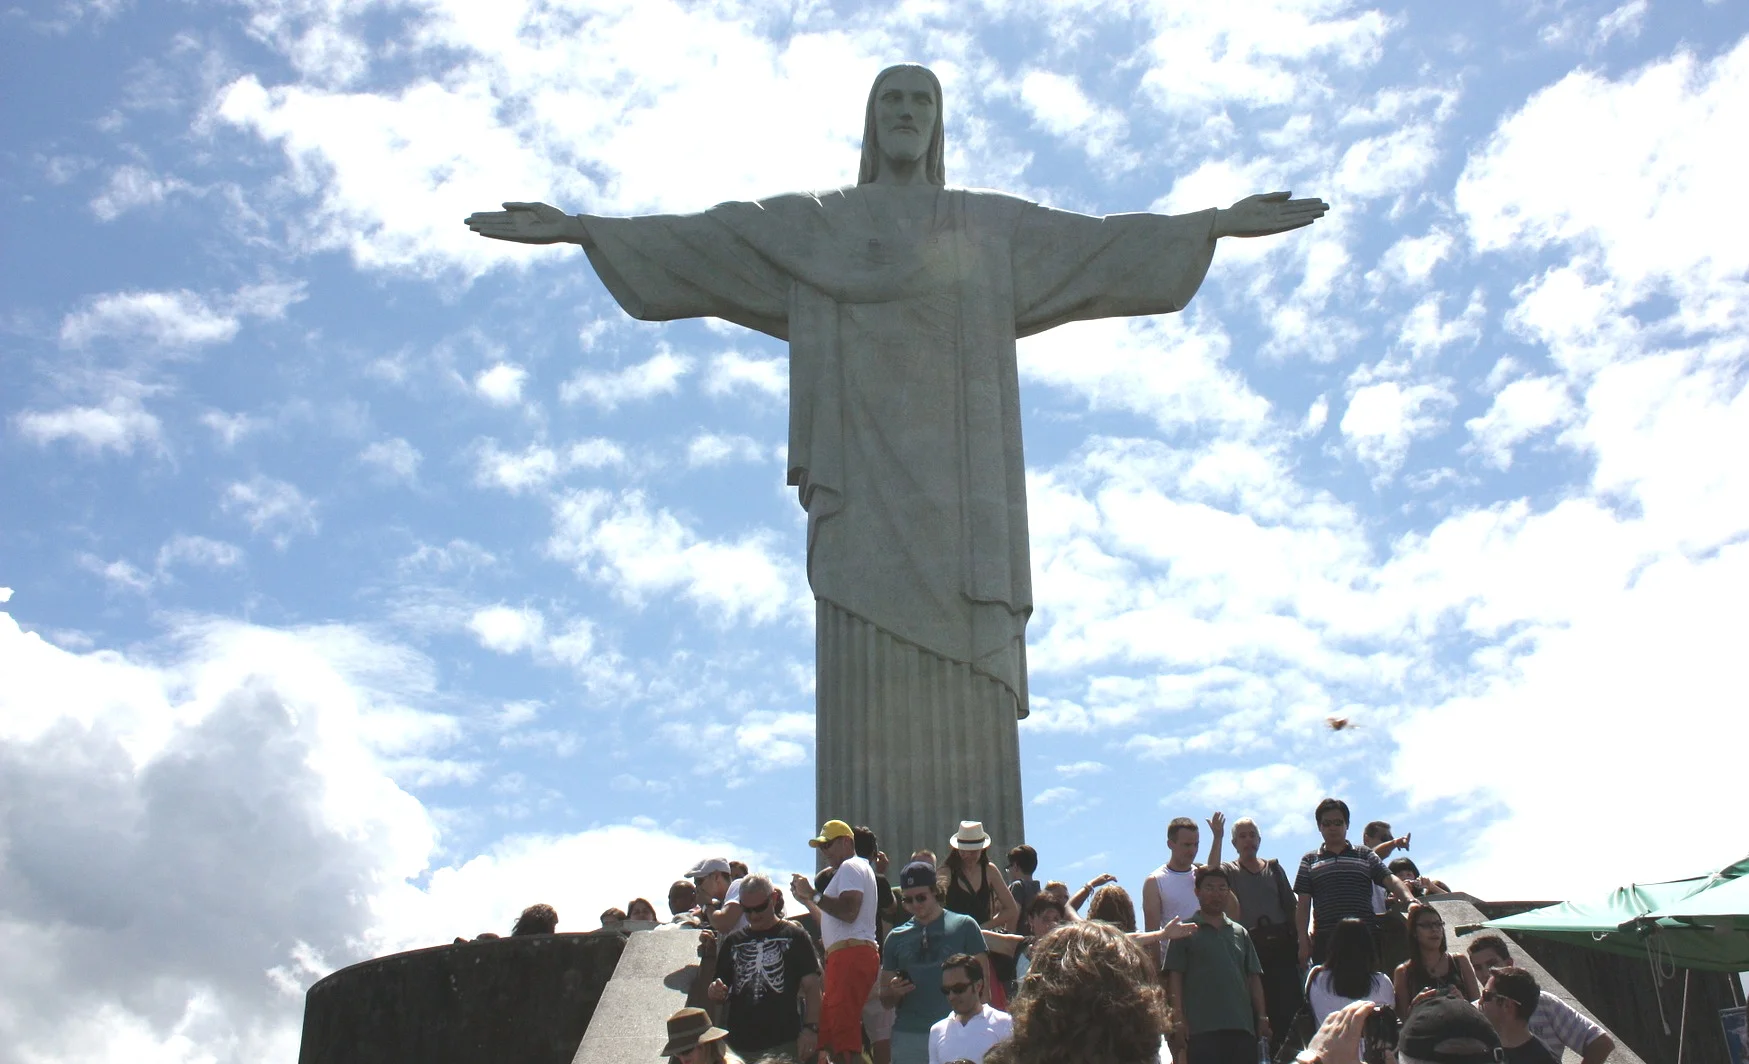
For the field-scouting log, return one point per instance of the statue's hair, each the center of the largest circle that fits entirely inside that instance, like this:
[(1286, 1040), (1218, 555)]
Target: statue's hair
[(1089, 996), (934, 160)]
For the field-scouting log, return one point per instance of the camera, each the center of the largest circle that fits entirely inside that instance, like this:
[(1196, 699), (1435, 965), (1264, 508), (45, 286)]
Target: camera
[(1380, 1035)]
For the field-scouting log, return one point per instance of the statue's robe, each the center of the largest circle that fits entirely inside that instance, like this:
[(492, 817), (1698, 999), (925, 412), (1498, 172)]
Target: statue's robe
[(901, 306)]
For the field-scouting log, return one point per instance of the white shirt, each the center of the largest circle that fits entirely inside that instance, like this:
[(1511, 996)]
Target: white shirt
[(1322, 999), (952, 1040), (733, 894), (1177, 893), (854, 874)]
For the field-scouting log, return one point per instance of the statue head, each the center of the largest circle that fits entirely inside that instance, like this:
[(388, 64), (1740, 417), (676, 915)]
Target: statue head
[(895, 138)]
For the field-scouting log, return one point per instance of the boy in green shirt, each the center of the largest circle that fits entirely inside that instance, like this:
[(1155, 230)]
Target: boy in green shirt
[(1215, 981)]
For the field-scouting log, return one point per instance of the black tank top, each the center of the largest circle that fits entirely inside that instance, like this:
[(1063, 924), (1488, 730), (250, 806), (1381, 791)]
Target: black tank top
[(961, 898)]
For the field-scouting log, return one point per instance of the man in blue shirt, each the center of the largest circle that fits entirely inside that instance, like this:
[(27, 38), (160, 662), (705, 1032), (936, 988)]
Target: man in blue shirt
[(911, 961)]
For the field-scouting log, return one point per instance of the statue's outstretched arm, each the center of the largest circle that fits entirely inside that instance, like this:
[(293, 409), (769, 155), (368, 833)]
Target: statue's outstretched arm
[(529, 223), (1265, 215)]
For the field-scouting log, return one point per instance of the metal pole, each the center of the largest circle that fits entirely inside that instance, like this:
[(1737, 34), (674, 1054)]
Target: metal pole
[(1682, 1029)]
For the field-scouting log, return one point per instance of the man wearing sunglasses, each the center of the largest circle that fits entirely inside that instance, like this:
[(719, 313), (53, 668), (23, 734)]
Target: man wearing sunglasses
[(913, 957), (974, 1025), (767, 991), (1509, 999)]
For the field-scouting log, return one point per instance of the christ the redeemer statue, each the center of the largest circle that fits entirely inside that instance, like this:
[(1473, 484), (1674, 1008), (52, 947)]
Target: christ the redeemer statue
[(901, 300)]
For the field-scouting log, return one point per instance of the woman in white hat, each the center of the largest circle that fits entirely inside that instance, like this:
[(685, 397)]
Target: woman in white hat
[(972, 883)]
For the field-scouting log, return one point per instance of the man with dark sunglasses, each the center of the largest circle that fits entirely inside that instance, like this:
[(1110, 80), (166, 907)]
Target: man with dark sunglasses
[(974, 1025), (913, 956), (1509, 999), (767, 991)]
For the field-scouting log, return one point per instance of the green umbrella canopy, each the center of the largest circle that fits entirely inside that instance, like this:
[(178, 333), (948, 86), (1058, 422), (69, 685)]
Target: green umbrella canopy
[(1724, 904), (1642, 918)]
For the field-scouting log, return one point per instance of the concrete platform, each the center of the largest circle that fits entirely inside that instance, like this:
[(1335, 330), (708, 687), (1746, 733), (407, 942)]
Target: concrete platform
[(657, 971)]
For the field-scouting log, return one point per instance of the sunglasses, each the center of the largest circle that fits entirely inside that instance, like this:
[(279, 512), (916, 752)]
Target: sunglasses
[(917, 899), (956, 989), (761, 907)]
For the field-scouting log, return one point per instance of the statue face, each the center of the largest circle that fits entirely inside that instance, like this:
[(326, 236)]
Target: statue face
[(905, 116)]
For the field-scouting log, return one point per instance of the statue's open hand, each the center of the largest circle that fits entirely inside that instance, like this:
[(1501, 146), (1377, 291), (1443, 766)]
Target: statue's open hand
[(525, 223), (1267, 213)]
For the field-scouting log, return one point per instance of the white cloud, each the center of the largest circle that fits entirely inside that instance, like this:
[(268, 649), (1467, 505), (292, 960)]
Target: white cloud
[(394, 457), (1272, 53), (1052, 796), (176, 319), (659, 375), (167, 319), (229, 428), (1387, 165), (731, 372), (242, 762), (1384, 419), (1521, 410), (132, 186), (1081, 768), (149, 790), (537, 465), (506, 629), (1412, 259), (1060, 107), (119, 425), (579, 111), (1674, 727), (1174, 373), (713, 449), (620, 540), (501, 384), (120, 573), (1652, 168), (1279, 797), (271, 507), (183, 549)]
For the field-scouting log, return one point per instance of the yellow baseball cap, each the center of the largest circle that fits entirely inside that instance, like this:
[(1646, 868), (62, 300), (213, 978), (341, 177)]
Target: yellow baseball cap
[(834, 829)]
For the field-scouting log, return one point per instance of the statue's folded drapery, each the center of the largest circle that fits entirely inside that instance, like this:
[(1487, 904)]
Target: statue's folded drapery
[(901, 306)]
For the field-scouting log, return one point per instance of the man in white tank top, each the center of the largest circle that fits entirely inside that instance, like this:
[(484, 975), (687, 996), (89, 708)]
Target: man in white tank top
[(1170, 890)]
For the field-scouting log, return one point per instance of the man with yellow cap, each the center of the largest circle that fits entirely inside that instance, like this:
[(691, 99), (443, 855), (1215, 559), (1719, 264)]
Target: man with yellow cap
[(847, 929)]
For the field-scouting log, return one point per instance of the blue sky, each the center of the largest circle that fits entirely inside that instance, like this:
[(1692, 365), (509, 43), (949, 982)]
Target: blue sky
[(368, 580)]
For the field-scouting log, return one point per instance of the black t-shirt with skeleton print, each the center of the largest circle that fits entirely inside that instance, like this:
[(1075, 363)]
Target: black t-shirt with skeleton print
[(764, 972)]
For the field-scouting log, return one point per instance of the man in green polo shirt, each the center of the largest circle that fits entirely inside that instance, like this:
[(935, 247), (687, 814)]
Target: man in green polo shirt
[(1215, 982)]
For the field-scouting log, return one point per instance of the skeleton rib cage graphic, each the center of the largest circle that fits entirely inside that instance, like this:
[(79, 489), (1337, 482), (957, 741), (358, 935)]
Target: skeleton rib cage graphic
[(759, 968)]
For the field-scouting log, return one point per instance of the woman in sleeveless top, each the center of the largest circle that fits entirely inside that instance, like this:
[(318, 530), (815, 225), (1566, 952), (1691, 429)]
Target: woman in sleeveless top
[(1430, 966), (972, 884)]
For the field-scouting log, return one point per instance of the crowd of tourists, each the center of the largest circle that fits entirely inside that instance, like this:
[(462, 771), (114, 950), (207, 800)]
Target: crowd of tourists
[(1235, 960)]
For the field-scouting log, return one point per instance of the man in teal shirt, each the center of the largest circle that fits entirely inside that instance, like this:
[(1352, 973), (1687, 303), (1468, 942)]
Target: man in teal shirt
[(1215, 982), (911, 960)]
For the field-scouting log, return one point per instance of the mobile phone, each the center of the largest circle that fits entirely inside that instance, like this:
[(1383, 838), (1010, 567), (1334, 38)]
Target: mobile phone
[(1406, 839)]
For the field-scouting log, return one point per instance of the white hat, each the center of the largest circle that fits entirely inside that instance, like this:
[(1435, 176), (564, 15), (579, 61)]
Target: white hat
[(971, 836)]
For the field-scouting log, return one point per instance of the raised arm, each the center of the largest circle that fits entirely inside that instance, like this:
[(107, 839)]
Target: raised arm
[(530, 223)]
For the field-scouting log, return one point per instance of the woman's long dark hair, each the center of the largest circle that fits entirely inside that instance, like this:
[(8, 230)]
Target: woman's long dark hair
[(1352, 959), (934, 161), (1418, 973)]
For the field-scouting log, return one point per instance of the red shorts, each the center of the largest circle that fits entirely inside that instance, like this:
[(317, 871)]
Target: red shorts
[(850, 972)]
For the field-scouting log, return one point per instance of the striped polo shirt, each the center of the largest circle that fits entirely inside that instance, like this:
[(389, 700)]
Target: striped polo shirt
[(1340, 883)]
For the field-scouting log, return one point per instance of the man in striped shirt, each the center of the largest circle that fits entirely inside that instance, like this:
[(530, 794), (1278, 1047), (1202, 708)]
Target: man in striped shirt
[(1554, 1023), (1336, 881)]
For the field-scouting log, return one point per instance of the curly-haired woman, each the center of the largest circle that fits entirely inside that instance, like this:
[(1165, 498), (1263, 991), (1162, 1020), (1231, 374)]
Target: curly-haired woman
[(1090, 996)]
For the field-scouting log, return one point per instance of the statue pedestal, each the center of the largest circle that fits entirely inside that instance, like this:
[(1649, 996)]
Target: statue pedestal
[(910, 743)]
